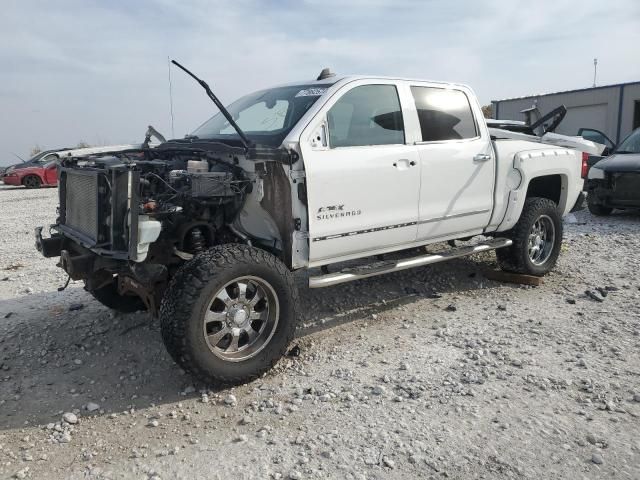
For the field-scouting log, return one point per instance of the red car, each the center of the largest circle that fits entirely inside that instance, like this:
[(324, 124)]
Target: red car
[(33, 177)]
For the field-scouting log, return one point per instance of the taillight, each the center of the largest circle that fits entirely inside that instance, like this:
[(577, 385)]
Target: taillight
[(585, 165)]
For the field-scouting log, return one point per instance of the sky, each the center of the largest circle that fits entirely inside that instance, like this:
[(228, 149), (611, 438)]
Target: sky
[(97, 72)]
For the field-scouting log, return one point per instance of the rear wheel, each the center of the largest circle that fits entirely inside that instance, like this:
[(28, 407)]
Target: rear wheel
[(537, 238), (31, 181), (597, 209), (110, 298), (229, 314)]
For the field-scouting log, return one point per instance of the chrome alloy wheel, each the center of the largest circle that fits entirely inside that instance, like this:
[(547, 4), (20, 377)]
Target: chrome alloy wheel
[(241, 318), (542, 237)]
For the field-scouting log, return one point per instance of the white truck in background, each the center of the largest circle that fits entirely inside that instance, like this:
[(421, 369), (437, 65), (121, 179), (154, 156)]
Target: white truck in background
[(205, 231)]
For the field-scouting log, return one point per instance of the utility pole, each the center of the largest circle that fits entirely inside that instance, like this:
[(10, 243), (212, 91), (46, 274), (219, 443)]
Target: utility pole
[(595, 70)]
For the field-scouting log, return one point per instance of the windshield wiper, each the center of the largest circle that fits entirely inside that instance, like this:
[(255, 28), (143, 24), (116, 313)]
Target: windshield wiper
[(243, 138), (624, 151)]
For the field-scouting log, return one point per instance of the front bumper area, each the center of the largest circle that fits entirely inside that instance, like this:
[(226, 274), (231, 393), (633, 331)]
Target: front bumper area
[(148, 281), (79, 262), (11, 180), (612, 193), (48, 247)]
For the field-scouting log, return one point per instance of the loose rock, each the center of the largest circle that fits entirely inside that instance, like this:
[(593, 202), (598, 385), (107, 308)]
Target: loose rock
[(70, 418)]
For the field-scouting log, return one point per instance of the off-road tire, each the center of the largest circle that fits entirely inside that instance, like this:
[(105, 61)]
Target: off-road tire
[(598, 210), (110, 298), (32, 181), (187, 298), (516, 257)]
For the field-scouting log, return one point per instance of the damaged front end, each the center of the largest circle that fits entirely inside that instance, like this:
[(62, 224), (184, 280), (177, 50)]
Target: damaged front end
[(615, 190), (127, 220), (614, 182)]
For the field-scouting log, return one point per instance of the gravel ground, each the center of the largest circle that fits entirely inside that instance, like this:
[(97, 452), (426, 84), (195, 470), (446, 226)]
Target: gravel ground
[(431, 373)]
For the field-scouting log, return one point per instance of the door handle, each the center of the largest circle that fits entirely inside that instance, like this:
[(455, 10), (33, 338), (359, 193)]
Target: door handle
[(482, 157), (403, 162)]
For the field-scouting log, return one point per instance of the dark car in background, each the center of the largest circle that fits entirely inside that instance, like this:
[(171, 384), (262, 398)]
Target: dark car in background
[(614, 182)]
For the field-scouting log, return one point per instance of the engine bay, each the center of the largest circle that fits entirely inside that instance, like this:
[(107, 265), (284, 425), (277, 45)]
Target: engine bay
[(194, 197)]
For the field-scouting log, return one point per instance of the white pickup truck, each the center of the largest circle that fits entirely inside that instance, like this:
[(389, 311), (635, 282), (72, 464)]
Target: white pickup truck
[(205, 231)]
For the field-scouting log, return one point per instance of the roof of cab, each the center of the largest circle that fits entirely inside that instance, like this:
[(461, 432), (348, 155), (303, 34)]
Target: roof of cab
[(329, 81)]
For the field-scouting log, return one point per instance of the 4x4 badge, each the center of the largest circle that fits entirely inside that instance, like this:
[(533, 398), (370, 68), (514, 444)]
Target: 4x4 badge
[(331, 208)]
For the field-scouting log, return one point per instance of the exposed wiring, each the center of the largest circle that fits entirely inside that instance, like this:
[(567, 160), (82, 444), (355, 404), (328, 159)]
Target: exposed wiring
[(161, 179)]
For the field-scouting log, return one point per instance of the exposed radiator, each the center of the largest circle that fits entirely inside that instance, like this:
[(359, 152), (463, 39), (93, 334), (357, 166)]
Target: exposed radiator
[(81, 203)]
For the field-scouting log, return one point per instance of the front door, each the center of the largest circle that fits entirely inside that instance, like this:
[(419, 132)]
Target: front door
[(458, 164), (51, 174), (363, 180)]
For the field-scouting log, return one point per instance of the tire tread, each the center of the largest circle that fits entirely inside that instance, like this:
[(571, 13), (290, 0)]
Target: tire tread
[(514, 258), (183, 293)]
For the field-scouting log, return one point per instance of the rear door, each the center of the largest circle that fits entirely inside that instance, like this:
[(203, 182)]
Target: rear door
[(458, 163), (363, 178)]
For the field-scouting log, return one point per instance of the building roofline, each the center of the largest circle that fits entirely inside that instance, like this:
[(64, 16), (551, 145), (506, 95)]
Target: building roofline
[(613, 85)]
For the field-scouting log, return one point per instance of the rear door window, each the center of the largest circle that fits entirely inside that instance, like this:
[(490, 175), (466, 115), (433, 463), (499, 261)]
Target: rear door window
[(444, 114), (366, 115)]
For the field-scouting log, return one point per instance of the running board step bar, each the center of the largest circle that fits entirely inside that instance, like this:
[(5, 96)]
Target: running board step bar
[(378, 268)]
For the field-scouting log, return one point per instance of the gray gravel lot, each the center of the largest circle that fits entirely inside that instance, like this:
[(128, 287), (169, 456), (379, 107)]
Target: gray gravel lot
[(431, 373)]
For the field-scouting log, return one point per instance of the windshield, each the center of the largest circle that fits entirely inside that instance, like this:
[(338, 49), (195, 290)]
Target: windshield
[(266, 117), (38, 157), (631, 144)]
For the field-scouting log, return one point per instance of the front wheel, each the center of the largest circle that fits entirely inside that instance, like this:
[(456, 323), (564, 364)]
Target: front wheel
[(32, 181), (537, 238), (229, 314)]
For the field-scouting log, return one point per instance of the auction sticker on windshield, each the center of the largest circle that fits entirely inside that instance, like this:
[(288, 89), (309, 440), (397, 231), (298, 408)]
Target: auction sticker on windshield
[(311, 92)]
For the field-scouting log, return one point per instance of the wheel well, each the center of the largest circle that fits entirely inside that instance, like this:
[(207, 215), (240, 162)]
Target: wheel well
[(548, 186), (31, 175)]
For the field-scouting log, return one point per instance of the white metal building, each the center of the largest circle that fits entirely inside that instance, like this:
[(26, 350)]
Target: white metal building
[(611, 109)]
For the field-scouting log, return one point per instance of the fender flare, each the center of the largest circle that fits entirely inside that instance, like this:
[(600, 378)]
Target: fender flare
[(518, 196)]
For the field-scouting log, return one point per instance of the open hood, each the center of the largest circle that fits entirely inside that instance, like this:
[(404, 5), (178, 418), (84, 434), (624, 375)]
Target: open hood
[(621, 162)]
